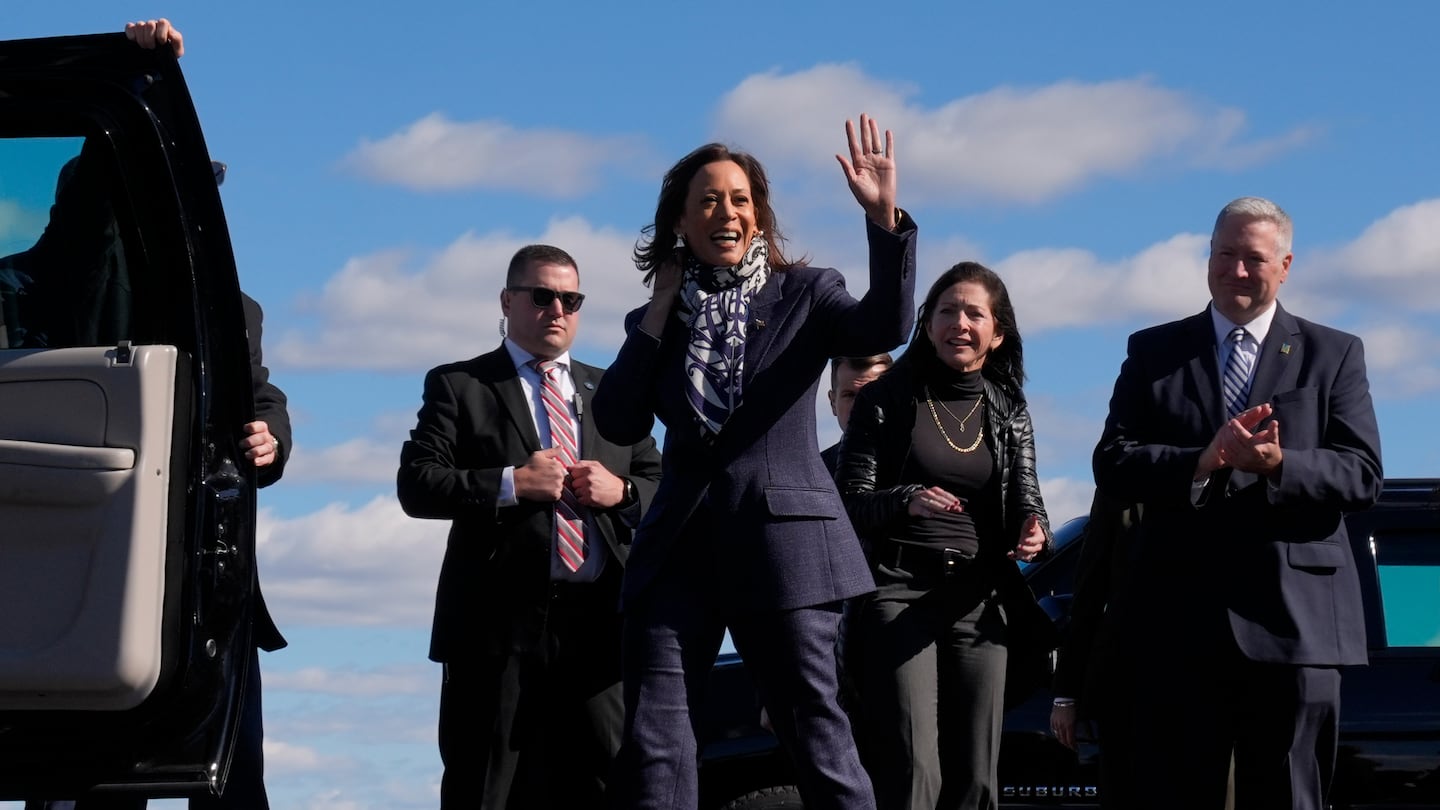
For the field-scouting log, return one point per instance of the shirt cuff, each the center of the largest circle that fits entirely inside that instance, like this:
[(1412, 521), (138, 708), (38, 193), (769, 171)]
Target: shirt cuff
[(506, 497)]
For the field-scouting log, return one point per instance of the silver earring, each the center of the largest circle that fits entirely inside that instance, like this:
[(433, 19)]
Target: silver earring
[(679, 239), (502, 326)]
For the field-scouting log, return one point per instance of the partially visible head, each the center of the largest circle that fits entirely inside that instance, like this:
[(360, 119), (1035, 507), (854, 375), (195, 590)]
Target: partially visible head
[(538, 283), (1249, 257), (847, 376), (711, 191), (967, 322)]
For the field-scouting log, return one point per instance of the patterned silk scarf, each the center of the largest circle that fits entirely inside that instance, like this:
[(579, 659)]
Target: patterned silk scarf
[(715, 306)]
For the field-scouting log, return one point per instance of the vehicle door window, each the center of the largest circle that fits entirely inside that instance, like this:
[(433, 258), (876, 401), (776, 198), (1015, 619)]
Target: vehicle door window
[(1409, 566), (65, 279)]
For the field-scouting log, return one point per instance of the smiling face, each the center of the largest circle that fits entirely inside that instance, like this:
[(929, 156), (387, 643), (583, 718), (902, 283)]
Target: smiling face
[(1247, 267), (544, 332), (719, 218), (962, 326)]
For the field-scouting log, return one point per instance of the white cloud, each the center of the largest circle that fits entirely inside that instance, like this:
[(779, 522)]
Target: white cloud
[(368, 566), (1401, 360), (435, 153), (1053, 288), (1397, 257), (1066, 498), (446, 306), (383, 682), (287, 758), (1008, 143), (355, 461)]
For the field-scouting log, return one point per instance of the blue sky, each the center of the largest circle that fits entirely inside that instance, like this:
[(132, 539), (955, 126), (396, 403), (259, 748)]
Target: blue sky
[(386, 159)]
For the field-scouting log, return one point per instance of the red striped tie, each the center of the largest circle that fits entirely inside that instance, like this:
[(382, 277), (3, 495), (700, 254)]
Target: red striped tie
[(569, 525)]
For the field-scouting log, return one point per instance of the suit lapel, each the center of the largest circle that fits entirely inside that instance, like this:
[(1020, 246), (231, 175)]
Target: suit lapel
[(499, 372), (1204, 369), (585, 379), (769, 310), (1278, 363)]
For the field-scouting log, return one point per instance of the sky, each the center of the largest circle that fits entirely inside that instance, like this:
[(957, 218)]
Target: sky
[(385, 160)]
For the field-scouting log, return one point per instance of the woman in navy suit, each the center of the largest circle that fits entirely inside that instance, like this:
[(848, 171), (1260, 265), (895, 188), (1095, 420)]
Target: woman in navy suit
[(747, 530)]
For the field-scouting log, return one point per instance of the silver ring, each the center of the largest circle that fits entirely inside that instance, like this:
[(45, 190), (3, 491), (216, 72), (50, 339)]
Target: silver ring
[(274, 445), (876, 151)]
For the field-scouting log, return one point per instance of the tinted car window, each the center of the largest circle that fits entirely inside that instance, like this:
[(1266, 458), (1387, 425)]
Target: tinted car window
[(1409, 567), (65, 277)]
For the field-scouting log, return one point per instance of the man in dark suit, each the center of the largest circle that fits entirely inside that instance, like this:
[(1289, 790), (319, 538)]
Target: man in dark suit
[(847, 376), (1089, 682), (526, 613), (1247, 433)]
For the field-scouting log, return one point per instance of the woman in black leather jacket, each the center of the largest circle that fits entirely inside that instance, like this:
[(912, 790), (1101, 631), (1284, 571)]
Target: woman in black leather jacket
[(937, 470)]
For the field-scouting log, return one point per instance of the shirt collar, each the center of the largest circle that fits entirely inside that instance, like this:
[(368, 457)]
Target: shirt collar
[(523, 359), (1257, 328)]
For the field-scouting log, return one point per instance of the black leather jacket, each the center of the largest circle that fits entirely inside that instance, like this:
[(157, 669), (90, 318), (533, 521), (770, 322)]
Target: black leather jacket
[(877, 443)]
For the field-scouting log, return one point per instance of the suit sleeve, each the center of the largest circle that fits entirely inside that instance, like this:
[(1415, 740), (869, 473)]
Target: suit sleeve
[(431, 482), (624, 403), (1092, 593), (883, 317), (644, 472), (1128, 466), (1344, 471), (270, 401)]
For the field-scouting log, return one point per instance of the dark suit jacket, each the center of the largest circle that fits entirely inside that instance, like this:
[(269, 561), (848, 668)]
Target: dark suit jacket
[(788, 542), (1086, 663), (1269, 562), (494, 582), (830, 457), (269, 408)]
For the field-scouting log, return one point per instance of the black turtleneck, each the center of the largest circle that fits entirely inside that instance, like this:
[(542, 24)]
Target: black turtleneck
[(945, 398)]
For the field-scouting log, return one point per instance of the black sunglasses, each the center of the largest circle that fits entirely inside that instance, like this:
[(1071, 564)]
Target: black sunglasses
[(543, 297)]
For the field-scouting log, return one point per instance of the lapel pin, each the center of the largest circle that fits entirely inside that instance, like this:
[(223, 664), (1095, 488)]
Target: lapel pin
[(1284, 348), (589, 386)]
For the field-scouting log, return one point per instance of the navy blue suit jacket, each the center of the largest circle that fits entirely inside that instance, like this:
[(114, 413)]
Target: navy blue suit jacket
[(789, 543), (1267, 561)]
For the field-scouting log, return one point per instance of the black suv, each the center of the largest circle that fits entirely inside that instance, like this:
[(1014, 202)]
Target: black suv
[(126, 518), (1389, 754)]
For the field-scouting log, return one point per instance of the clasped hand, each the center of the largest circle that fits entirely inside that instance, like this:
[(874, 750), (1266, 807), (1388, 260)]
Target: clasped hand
[(1239, 445), (544, 478)]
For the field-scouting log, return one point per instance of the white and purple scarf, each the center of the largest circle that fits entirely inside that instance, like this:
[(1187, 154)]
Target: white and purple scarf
[(715, 306)]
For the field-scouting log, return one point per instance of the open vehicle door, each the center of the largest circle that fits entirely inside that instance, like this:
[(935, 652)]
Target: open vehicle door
[(126, 517)]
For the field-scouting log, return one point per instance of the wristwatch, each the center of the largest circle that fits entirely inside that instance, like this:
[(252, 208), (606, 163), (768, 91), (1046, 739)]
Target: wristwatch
[(631, 496)]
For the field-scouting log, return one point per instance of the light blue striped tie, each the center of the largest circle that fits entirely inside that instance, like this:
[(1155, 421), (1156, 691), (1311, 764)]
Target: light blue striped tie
[(1237, 373)]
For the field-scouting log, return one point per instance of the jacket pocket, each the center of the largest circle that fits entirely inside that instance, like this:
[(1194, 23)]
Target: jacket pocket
[(1319, 554), (802, 503)]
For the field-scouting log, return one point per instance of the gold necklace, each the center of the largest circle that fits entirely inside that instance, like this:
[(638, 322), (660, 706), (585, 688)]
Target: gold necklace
[(934, 414)]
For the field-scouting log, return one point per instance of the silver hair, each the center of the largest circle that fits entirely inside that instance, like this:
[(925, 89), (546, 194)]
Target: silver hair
[(1261, 209)]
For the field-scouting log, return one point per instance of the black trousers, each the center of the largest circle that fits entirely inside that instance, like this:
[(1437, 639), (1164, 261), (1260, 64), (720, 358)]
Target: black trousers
[(932, 685), (1197, 707), (537, 729)]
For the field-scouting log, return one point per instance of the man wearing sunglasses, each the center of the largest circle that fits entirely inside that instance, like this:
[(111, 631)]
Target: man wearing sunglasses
[(526, 615)]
